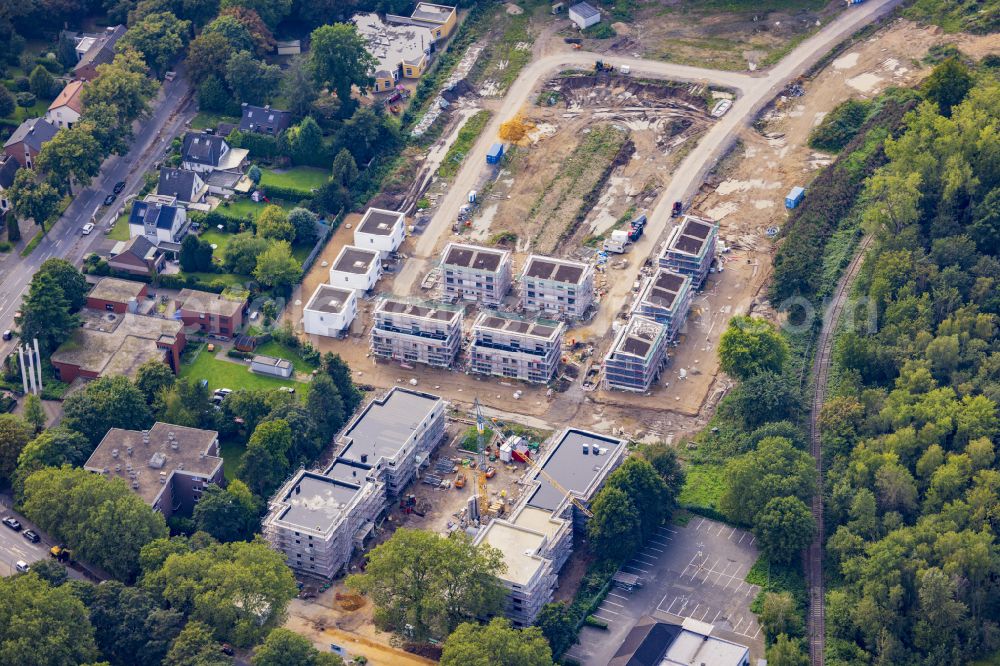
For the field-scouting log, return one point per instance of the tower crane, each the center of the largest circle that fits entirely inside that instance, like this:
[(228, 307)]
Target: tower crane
[(481, 491), (498, 424)]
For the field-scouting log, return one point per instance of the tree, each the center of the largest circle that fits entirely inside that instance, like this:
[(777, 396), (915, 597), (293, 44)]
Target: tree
[(229, 514), (195, 646), (616, 527), (340, 372), (286, 648), (663, 458), (14, 435), (345, 169), (751, 345), (276, 267), (298, 86), (948, 85), (558, 625), (366, 133), (431, 582), (34, 414), (251, 80), (42, 83), (105, 403), (112, 133), (13, 229), (326, 407), (784, 527), (240, 255), (496, 643), (159, 37), (239, 590), (304, 222), (199, 12), (306, 142), (100, 519), (779, 615), (985, 227), (254, 174), (236, 34), (272, 223), (187, 403), (196, 255), (129, 625), (41, 624), (31, 199), (151, 378), (648, 493), (46, 313), (341, 60), (214, 96), (774, 469), (50, 571), (72, 154), (248, 407), (208, 55), (69, 277), (263, 39), (7, 103), (265, 463), (787, 652), (272, 12), (762, 397), (53, 448), (123, 85)]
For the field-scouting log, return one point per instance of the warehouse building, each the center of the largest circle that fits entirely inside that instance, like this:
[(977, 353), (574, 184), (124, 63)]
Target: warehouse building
[(690, 248), (320, 520), (473, 273), (666, 299), (512, 347), (537, 538), (417, 332), (557, 287), (356, 268), (635, 359)]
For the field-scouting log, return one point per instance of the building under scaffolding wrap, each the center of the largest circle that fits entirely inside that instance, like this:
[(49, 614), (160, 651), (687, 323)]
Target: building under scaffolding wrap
[(635, 359), (690, 248)]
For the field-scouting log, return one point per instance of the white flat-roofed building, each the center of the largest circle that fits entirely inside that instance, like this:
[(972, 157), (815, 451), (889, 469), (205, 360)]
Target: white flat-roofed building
[(667, 644), (557, 287), (429, 333), (666, 299), (473, 273), (330, 311), (637, 355), (690, 248), (584, 15), (320, 520), (356, 268), (515, 348), (380, 230)]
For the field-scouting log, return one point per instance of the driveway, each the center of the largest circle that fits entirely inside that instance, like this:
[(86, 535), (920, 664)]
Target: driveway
[(697, 571)]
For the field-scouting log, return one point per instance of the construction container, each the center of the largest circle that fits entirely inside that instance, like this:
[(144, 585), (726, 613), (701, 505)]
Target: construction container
[(795, 197), (494, 154), (617, 242)]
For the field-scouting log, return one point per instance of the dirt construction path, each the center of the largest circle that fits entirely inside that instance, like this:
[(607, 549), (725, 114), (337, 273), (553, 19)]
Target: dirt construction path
[(753, 93)]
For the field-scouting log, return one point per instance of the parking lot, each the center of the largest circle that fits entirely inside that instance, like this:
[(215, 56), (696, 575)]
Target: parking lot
[(696, 571)]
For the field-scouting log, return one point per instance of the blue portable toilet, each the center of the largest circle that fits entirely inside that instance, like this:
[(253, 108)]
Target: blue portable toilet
[(795, 197), (496, 152)]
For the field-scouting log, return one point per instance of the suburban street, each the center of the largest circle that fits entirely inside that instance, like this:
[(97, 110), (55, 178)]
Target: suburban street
[(169, 114), (14, 547), (753, 92)]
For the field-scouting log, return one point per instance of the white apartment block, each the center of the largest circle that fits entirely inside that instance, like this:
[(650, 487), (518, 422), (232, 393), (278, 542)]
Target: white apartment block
[(380, 230), (417, 332), (356, 268), (473, 273), (320, 520), (557, 287), (511, 347), (330, 311)]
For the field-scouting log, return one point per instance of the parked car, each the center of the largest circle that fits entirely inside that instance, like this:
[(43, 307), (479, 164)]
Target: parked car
[(22, 566), (31, 536), (676, 210), (87, 228), (8, 334), (12, 523), (110, 199), (119, 186)]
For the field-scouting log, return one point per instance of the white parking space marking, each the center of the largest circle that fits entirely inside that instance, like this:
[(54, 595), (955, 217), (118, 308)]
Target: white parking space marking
[(717, 614), (742, 536), (614, 604), (606, 619), (656, 549), (612, 594), (667, 530), (608, 610), (629, 566)]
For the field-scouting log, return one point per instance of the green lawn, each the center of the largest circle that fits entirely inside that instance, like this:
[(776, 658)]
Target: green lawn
[(703, 486), (232, 375), (228, 278), (299, 178), (21, 114), (280, 350), (204, 120), (218, 238), (246, 207), (120, 231), (232, 454)]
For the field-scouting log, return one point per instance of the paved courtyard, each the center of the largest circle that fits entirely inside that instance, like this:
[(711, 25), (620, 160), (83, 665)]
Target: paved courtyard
[(697, 571)]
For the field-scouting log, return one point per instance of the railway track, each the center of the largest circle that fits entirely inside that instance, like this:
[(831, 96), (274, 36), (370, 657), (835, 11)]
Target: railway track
[(821, 373)]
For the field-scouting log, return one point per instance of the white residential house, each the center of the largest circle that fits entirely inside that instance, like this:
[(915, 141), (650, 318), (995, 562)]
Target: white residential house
[(160, 220), (356, 268), (382, 230), (205, 153), (330, 311), (65, 109), (584, 15)]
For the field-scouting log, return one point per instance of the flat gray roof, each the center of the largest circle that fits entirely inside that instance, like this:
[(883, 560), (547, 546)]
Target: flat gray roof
[(473, 256), (329, 299), (573, 469), (663, 290), (354, 260), (541, 328), (436, 311), (557, 270), (384, 426), (638, 337), (379, 222), (692, 236), (316, 502)]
